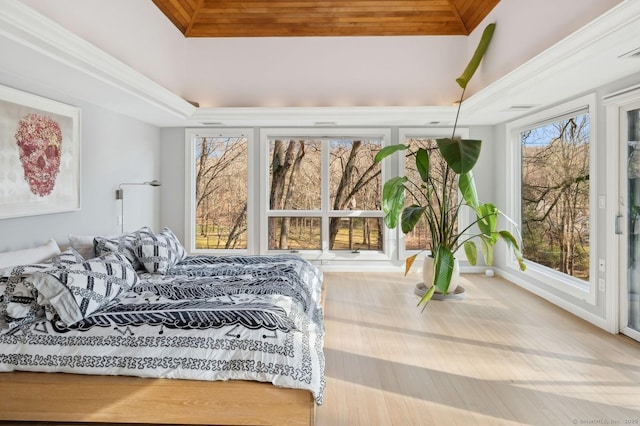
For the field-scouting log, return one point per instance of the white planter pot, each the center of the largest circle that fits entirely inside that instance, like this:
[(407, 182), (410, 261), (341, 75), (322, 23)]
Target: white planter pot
[(427, 274)]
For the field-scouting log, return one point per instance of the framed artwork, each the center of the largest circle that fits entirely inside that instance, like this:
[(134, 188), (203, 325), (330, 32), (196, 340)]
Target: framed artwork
[(39, 155)]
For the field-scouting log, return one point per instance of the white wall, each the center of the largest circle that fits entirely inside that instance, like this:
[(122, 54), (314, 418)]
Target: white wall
[(115, 149), (527, 28), (172, 166)]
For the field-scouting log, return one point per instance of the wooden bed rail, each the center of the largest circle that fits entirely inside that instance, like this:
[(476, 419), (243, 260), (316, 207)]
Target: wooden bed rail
[(60, 397)]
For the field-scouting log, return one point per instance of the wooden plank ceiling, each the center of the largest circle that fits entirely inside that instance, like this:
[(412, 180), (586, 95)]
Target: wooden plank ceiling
[(299, 18)]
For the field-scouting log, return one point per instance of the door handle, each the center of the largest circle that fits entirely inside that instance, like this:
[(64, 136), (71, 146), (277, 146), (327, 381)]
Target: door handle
[(618, 229)]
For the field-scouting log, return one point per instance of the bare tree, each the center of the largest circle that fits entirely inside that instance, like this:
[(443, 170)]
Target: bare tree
[(356, 172), (220, 193), (555, 195), (286, 186)]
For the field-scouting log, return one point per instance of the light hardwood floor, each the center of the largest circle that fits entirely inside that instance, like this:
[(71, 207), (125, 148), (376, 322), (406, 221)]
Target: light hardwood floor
[(500, 356)]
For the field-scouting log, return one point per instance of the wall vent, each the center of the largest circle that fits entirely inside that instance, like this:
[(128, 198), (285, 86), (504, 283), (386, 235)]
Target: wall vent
[(519, 107)]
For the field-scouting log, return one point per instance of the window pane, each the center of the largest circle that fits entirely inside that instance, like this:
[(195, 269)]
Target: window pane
[(357, 233), (294, 233), (294, 174), (221, 192), (420, 237), (555, 195), (356, 179)]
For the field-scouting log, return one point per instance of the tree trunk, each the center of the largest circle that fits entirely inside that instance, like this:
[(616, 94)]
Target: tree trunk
[(366, 233), (285, 224), (237, 229), (280, 164), (342, 198)]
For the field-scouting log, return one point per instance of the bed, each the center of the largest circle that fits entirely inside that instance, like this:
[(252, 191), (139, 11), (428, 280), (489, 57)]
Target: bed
[(184, 339)]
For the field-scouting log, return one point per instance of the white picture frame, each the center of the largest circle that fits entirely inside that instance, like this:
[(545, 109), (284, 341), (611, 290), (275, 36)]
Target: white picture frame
[(40, 155)]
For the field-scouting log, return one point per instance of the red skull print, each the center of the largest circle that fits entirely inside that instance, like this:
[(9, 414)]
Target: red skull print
[(39, 139)]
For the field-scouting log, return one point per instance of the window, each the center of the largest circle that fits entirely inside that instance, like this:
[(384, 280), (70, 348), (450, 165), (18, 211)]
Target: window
[(553, 195), (218, 190), (420, 238), (294, 184), (323, 196), (355, 184)]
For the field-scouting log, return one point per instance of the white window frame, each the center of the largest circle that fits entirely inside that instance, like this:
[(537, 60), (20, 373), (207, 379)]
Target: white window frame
[(325, 212), (427, 133), (565, 283), (190, 182)]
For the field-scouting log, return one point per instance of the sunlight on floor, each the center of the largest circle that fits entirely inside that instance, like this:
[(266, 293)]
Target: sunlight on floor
[(482, 360)]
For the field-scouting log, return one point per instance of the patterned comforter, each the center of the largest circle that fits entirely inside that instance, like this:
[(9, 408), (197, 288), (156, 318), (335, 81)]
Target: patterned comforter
[(207, 318)]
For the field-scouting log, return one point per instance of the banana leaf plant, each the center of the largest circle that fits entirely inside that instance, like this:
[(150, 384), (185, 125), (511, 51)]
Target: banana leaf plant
[(442, 204)]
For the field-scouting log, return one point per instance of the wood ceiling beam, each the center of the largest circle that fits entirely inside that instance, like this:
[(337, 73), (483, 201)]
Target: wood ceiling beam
[(194, 18), (456, 13)]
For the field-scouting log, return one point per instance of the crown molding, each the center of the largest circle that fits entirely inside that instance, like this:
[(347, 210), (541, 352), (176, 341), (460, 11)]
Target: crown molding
[(33, 31), (325, 116), (583, 61)]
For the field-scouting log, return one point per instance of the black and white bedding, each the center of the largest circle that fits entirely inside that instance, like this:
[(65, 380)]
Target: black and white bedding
[(204, 318)]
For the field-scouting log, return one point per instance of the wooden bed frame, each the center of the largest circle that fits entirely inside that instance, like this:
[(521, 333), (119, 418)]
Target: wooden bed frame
[(61, 397)]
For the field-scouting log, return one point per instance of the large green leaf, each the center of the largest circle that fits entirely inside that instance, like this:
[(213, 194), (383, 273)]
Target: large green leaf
[(510, 240), (460, 154), (427, 296), (410, 217), (486, 244), (487, 214), (471, 68), (393, 197), (443, 268), (467, 186), (471, 251), (422, 164), (388, 150)]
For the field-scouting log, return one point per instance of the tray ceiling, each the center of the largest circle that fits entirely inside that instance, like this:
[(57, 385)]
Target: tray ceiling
[(299, 18)]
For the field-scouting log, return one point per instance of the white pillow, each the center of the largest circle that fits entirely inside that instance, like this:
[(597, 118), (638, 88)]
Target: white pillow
[(181, 253), (80, 289), (30, 255), (85, 245)]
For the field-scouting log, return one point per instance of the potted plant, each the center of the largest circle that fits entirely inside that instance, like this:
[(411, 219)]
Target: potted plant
[(441, 205)]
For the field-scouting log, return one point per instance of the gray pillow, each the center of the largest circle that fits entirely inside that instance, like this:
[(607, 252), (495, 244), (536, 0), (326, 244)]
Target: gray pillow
[(78, 290), (122, 244), (18, 298)]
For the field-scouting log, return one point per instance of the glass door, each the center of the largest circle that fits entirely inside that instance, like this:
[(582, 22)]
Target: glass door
[(630, 296)]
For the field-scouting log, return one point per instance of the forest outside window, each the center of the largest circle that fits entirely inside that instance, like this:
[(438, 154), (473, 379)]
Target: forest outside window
[(554, 193), (218, 191), (324, 191)]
